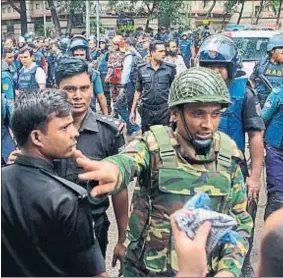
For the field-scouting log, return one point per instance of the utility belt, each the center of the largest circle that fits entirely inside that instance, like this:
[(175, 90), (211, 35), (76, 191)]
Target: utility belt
[(154, 106)]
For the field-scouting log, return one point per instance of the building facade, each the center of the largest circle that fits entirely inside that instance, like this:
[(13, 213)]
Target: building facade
[(194, 13)]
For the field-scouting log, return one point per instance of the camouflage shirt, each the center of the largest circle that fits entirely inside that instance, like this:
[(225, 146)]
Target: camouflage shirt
[(139, 158)]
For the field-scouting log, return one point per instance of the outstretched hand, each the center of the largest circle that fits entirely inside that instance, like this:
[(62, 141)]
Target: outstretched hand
[(106, 173)]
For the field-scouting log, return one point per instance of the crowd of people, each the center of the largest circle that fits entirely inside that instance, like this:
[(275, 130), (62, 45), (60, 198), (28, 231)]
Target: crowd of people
[(71, 137)]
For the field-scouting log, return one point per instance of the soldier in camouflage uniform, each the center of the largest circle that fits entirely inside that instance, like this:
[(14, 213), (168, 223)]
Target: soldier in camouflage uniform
[(173, 166)]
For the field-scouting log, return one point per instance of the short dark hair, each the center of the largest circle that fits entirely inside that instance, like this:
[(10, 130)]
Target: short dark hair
[(69, 67), (131, 41), (33, 109), (272, 253), (7, 50), (152, 46), (26, 49)]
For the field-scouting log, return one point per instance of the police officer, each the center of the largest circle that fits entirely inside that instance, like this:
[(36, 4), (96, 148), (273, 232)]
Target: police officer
[(187, 48), (79, 48), (152, 88), (170, 167), (129, 75), (92, 47), (46, 225), (7, 107), (100, 63), (269, 70), (98, 138), (220, 53), (8, 60), (31, 76), (272, 113)]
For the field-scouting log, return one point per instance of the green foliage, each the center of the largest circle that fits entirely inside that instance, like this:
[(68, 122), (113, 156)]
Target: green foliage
[(128, 29), (93, 29), (151, 9)]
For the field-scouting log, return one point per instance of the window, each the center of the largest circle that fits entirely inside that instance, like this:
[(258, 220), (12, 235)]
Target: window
[(78, 20), (37, 6), (10, 26), (4, 10), (9, 10)]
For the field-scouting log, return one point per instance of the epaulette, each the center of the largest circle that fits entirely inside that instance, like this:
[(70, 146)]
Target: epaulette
[(112, 122), (169, 64), (141, 65), (78, 190)]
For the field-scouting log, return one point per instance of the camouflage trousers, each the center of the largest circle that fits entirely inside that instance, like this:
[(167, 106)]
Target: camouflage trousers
[(133, 267)]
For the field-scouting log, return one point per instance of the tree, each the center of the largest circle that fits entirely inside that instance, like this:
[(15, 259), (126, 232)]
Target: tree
[(55, 18), (241, 12), (279, 11), (208, 14), (260, 11), (151, 9), (22, 10)]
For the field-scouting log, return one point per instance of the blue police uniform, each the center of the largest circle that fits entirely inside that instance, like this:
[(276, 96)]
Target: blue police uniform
[(37, 58), (273, 116), (272, 72), (27, 79), (232, 118), (7, 107), (185, 48)]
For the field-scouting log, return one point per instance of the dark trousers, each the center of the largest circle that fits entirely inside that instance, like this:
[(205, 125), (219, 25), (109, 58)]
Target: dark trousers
[(101, 226), (123, 106), (153, 115), (274, 179), (274, 202), (106, 89)]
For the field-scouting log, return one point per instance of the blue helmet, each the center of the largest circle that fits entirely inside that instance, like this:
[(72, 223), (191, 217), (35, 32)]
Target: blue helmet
[(275, 41), (220, 49), (79, 42), (63, 44)]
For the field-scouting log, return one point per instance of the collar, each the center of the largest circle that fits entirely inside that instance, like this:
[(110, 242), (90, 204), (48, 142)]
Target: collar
[(89, 122), (34, 162), (188, 151), (162, 66)]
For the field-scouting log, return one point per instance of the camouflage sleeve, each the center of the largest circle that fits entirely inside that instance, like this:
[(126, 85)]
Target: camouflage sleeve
[(133, 161), (232, 256)]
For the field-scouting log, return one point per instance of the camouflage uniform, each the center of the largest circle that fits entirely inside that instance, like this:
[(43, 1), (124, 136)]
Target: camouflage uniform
[(169, 172)]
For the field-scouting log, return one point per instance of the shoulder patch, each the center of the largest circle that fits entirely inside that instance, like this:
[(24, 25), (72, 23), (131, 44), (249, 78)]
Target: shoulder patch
[(112, 122), (78, 190), (141, 65), (5, 86)]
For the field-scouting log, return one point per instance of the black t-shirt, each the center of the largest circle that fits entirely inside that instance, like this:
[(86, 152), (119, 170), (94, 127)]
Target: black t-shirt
[(252, 119), (46, 224), (98, 139)]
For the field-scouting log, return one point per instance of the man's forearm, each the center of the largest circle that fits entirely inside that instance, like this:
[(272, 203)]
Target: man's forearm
[(120, 206), (102, 103), (135, 101), (256, 153)]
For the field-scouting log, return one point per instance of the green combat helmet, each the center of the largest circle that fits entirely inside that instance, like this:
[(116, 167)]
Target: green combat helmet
[(199, 85)]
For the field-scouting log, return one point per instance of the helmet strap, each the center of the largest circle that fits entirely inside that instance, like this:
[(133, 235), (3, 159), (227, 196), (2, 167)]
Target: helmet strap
[(202, 147)]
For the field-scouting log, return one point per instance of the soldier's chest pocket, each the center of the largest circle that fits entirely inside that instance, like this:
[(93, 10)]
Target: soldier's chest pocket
[(163, 82), (146, 82), (183, 185)]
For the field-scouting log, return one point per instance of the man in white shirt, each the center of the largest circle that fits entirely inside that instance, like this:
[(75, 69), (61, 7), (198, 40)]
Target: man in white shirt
[(173, 57), (31, 76)]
